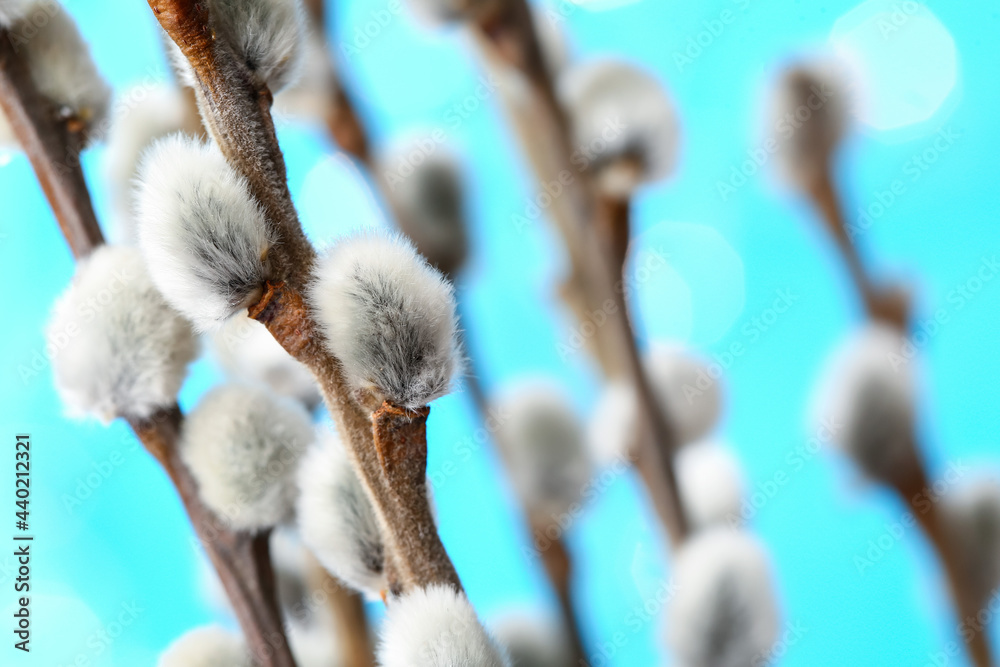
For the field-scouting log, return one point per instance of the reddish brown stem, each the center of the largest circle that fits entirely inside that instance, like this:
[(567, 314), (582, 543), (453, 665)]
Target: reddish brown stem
[(241, 559), (374, 446), (52, 146), (238, 115), (559, 568)]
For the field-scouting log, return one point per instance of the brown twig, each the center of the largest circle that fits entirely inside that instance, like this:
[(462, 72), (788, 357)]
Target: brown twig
[(508, 41), (53, 146), (241, 559), (396, 490), (912, 482), (348, 610), (238, 116)]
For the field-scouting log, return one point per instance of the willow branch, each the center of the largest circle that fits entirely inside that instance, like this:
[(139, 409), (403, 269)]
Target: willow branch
[(354, 638), (241, 559), (508, 41), (893, 310), (413, 541), (53, 145)]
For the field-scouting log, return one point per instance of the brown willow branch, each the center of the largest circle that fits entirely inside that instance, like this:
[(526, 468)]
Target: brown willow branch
[(53, 146), (558, 565), (396, 491), (238, 116), (241, 559), (508, 41), (883, 307)]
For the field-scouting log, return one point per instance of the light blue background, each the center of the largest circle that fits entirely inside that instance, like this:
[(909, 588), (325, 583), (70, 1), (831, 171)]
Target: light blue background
[(129, 542)]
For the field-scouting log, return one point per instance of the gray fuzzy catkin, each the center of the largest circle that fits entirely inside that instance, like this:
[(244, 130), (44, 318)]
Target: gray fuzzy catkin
[(543, 442), (623, 122), (59, 62), (723, 612), (436, 627), (243, 447), (389, 317), (429, 191), (119, 350), (267, 36), (971, 516), (336, 519), (205, 238)]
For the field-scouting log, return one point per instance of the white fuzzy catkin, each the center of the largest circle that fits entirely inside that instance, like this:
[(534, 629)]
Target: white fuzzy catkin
[(59, 62), (119, 349), (533, 640), (865, 402), (288, 560), (809, 119), (248, 352), (210, 646), (147, 113), (389, 317), (436, 627), (312, 94), (205, 238), (723, 613), (686, 390), (623, 120), (428, 190), (544, 447), (711, 484), (313, 645), (267, 36), (438, 12), (336, 519), (243, 447), (971, 515)]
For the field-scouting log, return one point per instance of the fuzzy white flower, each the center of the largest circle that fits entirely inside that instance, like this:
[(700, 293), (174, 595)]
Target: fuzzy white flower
[(971, 517), (336, 518), (723, 613), (544, 447), (268, 36), (533, 640), (809, 119), (622, 117), (147, 113), (59, 62), (711, 484), (243, 447), (438, 12), (686, 390), (389, 317), (205, 238), (210, 646), (120, 350), (865, 402), (436, 627), (428, 190), (248, 352), (313, 645)]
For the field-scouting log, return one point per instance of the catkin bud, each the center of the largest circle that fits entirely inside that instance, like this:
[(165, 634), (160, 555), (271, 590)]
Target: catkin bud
[(121, 351), (623, 122), (723, 613), (971, 518), (711, 484), (390, 319), (436, 627), (336, 518), (243, 447), (206, 240), (210, 646)]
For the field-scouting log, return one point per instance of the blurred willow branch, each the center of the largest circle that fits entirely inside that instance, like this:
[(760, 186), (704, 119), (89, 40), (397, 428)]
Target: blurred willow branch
[(240, 558)]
